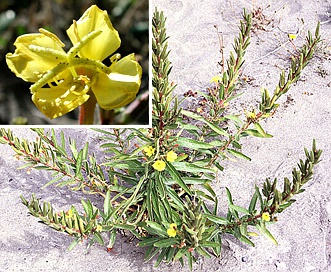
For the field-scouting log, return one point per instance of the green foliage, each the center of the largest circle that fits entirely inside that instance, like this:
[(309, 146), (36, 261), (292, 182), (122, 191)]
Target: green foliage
[(157, 182)]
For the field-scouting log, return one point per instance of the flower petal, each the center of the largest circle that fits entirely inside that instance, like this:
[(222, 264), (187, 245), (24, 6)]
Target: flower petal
[(59, 100), (29, 64), (120, 87), (103, 45)]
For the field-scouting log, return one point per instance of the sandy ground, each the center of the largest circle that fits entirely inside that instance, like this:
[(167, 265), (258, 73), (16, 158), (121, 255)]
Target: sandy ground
[(303, 231)]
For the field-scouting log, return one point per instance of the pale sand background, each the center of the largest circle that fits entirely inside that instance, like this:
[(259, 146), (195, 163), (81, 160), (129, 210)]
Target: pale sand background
[(303, 231)]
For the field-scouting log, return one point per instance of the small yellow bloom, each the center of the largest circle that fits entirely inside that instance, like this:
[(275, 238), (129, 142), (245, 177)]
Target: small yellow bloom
[(171, 156), (159, 165), (292, 36), (266, 216), (172, 230), (70, 213), (65, 80), (99, 228), (251, 115), (216, 79), (149, 151)]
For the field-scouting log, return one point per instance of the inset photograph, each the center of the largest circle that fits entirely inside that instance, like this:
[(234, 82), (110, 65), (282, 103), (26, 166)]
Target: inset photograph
[(74, 63)]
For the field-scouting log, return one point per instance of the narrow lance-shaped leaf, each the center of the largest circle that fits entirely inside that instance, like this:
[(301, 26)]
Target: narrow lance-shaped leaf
[(265, 232), (176, 176), (238, 154)]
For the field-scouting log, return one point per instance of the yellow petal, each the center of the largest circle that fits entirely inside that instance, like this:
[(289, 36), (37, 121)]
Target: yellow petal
[(171, 156), (172, 230), (266, 216), (30, 64), (104, 44), (149, 150), (216, 79), (292, 36), (159, 165), (120, 87), (59, 100)]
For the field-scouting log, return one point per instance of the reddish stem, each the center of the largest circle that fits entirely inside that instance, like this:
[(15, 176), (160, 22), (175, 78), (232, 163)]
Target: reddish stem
[(86, 111)]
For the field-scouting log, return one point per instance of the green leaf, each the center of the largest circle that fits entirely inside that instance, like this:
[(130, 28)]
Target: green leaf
[(134, 166), (150, 253), (265, 232), (215, 128), (228, 193), (190, 260), (175, 198), (255, 133), (74, 243), (193, 144), (260, 130), (42, 167), (107, 204), (202, 252), (234, 118), (53, 181), (148, 241), (218, 130), (161, 256), (203, 194), (73, 148), (165, 242), (219, 167), (160, 185), (258, 193), (238, 154), (180, 253), (216, 219), (170, 254), (157, 227), (246, 240), (176, 176), (98, 238), (85, 151), (252, 204), (217, 250), (87, 208), (79, 163), (209, 189), (63, 142), (209, 244), (239, 209), (192, 168), (112, 238)]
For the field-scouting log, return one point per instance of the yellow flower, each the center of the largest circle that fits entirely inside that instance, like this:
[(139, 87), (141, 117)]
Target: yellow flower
[(266, 216), (172, 230), (199, 110), (216, 79), (171, 156), (70, 214), (149, 150), (292, 36), (159, 165), (64, 81), (99, 228), (251, 115)]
